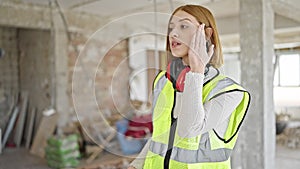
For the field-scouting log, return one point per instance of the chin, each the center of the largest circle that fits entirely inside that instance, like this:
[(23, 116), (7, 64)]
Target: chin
[(178, 54)]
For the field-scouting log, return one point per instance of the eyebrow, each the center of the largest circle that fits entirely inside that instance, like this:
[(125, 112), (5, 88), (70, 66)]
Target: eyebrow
[(183, 19)]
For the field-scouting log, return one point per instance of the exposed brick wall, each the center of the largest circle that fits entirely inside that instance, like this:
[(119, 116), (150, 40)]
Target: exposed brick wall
[(114, 78), (109, 73)]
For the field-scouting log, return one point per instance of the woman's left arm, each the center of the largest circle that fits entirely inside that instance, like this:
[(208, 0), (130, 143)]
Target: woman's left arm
[(195, 118)]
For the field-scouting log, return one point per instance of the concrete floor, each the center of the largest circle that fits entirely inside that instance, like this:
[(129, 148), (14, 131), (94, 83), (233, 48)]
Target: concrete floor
[(21, 159), (287, 158)]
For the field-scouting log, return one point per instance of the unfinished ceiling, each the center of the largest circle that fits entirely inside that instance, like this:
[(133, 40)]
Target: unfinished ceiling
[(287, 12)]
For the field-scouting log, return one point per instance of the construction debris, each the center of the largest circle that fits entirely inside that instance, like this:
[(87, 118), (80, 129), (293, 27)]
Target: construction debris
[(63, 151), (289, 138), (45, 131), (109, 161), (106, 143)]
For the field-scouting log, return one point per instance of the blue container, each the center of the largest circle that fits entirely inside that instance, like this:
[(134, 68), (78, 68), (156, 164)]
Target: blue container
[(128, 146)]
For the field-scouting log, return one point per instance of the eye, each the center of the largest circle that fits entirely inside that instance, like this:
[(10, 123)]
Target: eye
[(184, 26)]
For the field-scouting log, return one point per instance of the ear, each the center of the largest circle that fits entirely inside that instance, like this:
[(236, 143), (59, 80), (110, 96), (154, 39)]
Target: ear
[(208, 32)]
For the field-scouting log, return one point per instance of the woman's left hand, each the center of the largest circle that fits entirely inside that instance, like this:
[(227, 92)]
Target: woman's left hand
[(198, 55)]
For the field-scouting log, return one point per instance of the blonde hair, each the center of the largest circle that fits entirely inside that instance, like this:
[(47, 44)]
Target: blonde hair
[(202, 15)]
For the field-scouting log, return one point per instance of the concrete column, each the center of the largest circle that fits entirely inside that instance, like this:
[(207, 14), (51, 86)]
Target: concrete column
[(60, 67), (256, 145)]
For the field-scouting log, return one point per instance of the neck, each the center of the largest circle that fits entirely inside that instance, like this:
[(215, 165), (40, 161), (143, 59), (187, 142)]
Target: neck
[(185, 61)]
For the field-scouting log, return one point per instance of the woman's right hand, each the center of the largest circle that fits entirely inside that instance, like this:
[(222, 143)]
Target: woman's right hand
[(198, 55), (131, 167)]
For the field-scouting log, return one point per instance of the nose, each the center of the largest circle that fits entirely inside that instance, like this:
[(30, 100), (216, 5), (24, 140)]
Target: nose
[(174, 33)]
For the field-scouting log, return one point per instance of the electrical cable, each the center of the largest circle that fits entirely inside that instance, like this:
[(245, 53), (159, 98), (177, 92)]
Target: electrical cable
[(51, 54), (88, 78)]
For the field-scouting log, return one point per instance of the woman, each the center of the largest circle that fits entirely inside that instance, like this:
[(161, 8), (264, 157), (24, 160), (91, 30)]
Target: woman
[(197, 112)]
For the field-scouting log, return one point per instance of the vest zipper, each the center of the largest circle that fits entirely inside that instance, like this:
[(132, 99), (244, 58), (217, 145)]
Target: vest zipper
[(171, 136)]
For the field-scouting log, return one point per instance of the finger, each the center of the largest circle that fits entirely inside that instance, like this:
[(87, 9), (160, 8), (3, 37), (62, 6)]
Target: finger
[(202, 35), (198, 33), (195, 42), (211, 50), (192, 44)]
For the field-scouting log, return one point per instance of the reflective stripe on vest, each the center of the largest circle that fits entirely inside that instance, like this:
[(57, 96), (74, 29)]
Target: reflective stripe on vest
[(203, 154), (221, 84), (162, 82)]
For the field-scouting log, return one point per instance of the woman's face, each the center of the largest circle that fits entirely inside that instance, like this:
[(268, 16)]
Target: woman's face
[(182, 28)]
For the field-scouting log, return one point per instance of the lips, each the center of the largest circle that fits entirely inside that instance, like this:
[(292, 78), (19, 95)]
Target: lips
[(175, 44)]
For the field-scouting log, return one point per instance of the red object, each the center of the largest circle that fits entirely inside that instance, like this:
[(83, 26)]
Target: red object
[(179, 81), (10, 144), (169, 71), (140, 126), (181, 78)]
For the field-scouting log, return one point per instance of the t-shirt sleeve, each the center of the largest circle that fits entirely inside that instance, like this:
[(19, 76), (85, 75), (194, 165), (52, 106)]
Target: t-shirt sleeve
[(194, 118)]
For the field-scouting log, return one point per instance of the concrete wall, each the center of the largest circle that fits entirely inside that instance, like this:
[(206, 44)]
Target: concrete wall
[(9, 63), (9, 77), (232, 66), (25, 67), (35, 68)]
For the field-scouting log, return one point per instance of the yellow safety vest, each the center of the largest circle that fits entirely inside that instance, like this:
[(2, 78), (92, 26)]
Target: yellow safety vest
[(206, 151)]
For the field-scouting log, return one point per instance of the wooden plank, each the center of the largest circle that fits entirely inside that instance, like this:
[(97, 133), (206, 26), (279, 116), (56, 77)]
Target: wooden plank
[(106, 142), (10, 111), (10, 126), (89, 149), (45, 130), (21, 119), (12, 105), (29, 129)]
